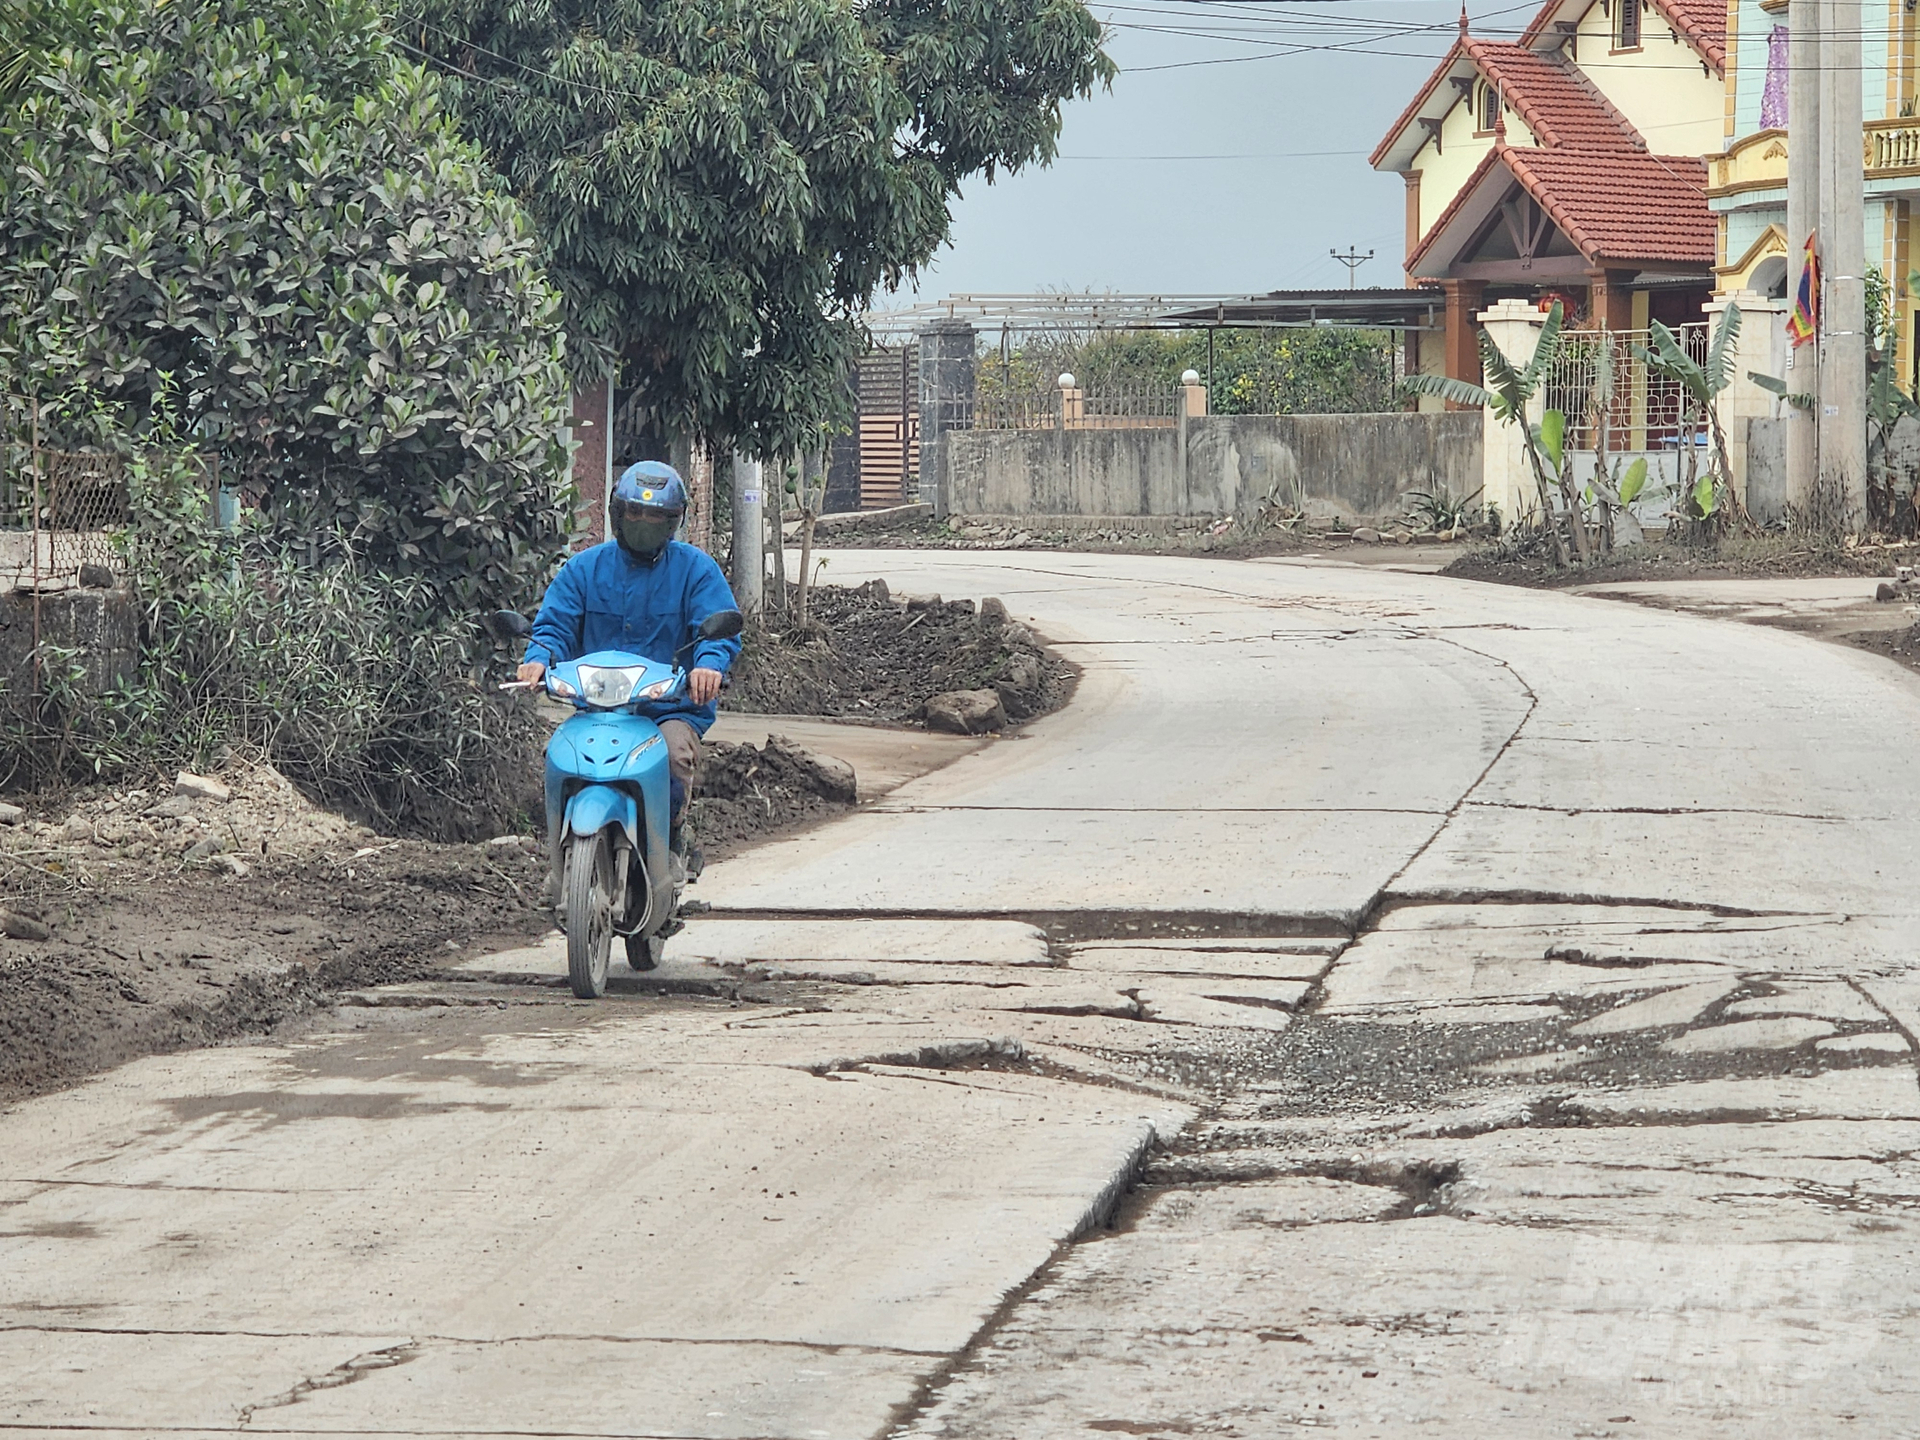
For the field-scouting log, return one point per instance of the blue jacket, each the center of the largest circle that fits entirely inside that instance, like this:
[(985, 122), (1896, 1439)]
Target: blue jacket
[(607, 599)]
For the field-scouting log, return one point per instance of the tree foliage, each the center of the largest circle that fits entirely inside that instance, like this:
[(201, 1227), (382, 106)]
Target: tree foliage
[(252, 224), (1255, 372), (721, 185)]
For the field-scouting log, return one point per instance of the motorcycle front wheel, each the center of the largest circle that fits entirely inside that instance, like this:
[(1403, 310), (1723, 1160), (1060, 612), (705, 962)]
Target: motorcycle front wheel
[(587, 887)]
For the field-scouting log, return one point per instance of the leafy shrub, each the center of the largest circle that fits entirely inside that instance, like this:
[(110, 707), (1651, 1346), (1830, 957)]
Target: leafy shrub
[(1255, 372), (353, 683), (252, 206)]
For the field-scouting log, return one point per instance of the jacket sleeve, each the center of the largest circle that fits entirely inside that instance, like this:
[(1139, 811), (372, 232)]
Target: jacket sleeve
[(711, 593), (556, 629)]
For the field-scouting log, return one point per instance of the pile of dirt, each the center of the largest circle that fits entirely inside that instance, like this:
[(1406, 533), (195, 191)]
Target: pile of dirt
[(1769, 556), (1900, 646), (116, 836), (743, 795), (867, 654), (147, 919), (116, 946), (1226, 538)]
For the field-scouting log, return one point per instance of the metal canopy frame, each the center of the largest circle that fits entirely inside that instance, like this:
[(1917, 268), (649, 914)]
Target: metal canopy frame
[(1416, 310)]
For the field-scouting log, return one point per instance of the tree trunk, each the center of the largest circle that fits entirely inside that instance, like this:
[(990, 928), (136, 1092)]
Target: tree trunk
[(776, 520), (1546, 505), (1724, 465)]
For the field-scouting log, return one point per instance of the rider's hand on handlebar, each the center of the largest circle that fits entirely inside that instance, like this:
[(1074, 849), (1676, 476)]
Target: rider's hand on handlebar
[(702, 685), (530, 673)]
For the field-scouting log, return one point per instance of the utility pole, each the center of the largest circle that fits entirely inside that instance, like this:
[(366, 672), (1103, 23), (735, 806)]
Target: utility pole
[(1803, 219), (749, 535), (1842, 418), (1353, 260)]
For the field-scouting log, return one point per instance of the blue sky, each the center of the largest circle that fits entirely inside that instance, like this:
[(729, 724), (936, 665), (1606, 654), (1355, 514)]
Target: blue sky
[(1262, 220)]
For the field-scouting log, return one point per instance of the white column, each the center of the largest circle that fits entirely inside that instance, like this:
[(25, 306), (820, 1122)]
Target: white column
[(1761, 347), (1514, 328)]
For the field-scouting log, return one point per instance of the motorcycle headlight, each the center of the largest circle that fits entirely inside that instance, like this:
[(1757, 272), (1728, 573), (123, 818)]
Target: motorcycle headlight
[(559, 688), (655, 691), (608, 686)]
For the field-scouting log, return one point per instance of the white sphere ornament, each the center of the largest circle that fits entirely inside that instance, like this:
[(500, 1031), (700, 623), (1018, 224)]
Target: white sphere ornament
[(1189, 377), (1067, 381)]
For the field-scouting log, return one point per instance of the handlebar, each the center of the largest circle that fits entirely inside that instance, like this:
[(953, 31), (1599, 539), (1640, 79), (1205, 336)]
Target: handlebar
[(726, 682)]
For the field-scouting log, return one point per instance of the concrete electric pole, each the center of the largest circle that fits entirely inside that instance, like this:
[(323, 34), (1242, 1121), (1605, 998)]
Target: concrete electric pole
[(1353, 260), (749, 535), (1826, 446), (1842, 495), (1803, 219)]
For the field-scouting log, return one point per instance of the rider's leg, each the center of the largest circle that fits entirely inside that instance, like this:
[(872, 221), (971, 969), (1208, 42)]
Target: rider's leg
[(683, 754)]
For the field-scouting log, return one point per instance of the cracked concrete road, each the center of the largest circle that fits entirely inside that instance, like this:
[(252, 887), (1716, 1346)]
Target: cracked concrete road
[(1502, 1000)]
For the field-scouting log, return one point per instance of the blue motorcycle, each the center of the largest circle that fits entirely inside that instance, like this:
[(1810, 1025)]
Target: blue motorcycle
[(609, 803)]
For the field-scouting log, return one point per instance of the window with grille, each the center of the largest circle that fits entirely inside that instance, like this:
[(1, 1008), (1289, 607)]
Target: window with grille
[(1489, 107)]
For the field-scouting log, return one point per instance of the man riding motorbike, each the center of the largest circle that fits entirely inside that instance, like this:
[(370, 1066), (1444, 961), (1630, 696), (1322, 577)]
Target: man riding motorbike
[(645, 593)]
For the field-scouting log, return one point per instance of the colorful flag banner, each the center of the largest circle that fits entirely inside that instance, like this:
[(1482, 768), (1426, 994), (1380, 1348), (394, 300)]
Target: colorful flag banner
[(1804, 324)]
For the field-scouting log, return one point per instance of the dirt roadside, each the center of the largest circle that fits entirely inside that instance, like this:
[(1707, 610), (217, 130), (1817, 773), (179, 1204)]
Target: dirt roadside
[(1758, 558), (137, 921), (1226, 539)]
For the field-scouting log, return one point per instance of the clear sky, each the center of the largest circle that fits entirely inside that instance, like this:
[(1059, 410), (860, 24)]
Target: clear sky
[(1286, 139)]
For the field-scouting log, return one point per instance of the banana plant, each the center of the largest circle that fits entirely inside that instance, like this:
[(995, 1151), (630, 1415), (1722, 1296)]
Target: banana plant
[(1703, 382), (1621, 526), (1507, 394), (1774, 385)]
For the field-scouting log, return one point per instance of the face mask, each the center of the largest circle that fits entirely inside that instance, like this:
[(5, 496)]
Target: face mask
[(645, 532)]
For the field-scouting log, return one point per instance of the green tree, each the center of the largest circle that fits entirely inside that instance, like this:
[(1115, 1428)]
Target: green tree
[(249, 222), (721, 185), (1255, 372)]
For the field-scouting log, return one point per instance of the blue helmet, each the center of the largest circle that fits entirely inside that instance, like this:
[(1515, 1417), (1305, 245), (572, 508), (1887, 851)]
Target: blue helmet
[(648, 502)]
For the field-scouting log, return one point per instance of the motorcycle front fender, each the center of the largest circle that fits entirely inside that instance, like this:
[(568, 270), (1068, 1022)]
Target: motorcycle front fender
[(594, 807)]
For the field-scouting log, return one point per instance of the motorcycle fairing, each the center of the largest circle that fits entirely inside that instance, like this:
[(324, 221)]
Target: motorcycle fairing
[(610, 767)]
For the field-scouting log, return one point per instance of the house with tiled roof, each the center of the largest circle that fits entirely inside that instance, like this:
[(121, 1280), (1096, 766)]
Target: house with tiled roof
[(1567, 164), (1747, 178)]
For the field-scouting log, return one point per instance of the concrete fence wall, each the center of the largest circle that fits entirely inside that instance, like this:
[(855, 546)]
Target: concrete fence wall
[(1347, 466)]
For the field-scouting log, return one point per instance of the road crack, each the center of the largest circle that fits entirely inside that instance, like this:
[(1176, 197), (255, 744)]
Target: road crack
[(347, 1372)]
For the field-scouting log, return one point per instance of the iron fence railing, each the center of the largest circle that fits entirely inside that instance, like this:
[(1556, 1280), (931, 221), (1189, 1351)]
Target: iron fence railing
[(1603, 387)]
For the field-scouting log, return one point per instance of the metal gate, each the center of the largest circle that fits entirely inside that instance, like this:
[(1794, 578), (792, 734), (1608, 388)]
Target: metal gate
[(889, 393)]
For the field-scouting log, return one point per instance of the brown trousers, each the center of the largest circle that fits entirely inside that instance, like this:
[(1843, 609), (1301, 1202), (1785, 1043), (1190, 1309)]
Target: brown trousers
[(683, 754)]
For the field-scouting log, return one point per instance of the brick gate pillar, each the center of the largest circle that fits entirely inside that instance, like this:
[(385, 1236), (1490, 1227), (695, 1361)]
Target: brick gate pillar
[(946, 401)]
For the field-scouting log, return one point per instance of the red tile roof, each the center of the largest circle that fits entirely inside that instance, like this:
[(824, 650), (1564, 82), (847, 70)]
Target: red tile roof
[(1701, 23), (1623, 205), (1559, 104), (1419, 99), (1620, 205)]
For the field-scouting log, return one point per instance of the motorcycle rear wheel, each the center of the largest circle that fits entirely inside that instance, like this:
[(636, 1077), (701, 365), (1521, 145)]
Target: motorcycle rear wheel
[(588, 891)]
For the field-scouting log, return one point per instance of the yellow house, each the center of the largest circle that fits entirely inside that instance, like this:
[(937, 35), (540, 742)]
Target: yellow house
[(1567, 165), (1747, 176)]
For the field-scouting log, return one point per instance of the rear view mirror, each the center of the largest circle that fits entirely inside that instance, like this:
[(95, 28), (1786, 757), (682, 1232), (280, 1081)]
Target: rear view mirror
[(722, 625), (512, 623)]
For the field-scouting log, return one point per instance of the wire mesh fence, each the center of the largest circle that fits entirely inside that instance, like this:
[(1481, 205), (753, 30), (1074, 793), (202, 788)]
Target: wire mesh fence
[(59, 510)]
